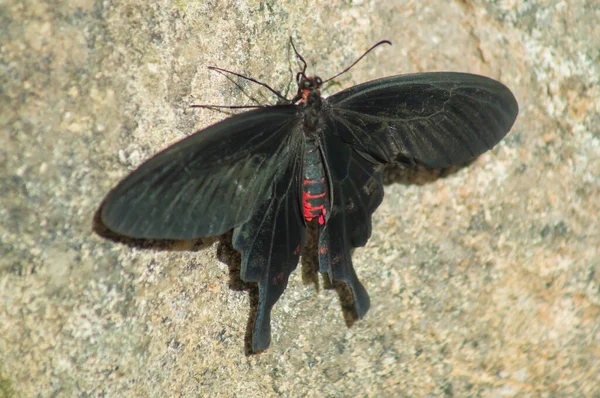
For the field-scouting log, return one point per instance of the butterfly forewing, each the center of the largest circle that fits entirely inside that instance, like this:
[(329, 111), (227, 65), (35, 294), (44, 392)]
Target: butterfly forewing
[(434, 119), (207, 183)]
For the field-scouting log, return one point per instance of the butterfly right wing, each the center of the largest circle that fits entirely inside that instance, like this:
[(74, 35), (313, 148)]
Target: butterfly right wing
[(355, 180), (207, 183), (434, 119)]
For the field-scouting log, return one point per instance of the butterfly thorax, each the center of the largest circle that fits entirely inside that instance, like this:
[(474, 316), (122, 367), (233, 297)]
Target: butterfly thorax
[(309, 94), (315, 203)]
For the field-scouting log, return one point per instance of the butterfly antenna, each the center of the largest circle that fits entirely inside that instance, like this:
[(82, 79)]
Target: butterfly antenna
[(361, 57), (277, 93), (290, 70), (239, 87), (219, 107), (301, 59)]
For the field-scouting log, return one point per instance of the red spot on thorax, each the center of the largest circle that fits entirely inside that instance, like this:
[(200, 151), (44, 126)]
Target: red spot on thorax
[(305, 93)]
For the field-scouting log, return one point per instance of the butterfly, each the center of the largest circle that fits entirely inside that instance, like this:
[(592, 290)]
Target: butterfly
[(268, 172)]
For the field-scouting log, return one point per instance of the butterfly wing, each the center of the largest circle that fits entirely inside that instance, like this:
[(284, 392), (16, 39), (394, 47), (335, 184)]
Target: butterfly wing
[(271, 242), (434, 119), (355, 179), (208, 183), (243, 173)]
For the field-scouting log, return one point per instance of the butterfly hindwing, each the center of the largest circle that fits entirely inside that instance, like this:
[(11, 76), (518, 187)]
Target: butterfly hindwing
[(271, 242), (207, 183), (357, 191), (434, 119)]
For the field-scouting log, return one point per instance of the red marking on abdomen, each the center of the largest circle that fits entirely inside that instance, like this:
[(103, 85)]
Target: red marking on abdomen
[(278, 278), (314, 191), (311, 211), (310, 182), (309, 196), (323, 249), (322, 217)]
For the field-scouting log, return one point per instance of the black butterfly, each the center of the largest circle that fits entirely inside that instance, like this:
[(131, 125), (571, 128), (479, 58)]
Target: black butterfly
[(266, 173)]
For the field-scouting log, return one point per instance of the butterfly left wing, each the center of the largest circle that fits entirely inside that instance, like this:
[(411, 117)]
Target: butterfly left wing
[(355, 181), (243, 173), (207, 183)]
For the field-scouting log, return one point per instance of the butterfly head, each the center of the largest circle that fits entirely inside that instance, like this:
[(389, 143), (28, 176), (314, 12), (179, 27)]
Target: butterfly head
[(308, 86)]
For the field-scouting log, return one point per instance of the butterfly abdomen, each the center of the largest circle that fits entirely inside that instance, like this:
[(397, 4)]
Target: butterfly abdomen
[(314, 191)]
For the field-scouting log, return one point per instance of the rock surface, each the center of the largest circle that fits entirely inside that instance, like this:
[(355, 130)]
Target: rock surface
[(484, 283)]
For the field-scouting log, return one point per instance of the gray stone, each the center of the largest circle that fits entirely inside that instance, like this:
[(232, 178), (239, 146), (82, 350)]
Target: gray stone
[(484, 283)]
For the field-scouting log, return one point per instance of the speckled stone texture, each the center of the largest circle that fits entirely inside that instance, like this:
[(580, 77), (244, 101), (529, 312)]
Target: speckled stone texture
[(484, 283)]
